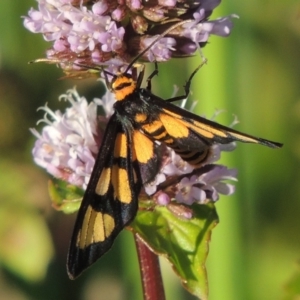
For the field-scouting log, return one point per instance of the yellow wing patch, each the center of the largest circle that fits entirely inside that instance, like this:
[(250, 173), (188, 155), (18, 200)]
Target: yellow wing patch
[(103, 182), (143, 147), (170, 113), (244, 138), (200, 128), (120, 149), (121, 185), (207, 130), (174, 127), (96, 227)]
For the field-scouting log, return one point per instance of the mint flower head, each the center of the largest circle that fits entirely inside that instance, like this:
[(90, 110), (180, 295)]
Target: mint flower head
[(69, 143), (112, 32)]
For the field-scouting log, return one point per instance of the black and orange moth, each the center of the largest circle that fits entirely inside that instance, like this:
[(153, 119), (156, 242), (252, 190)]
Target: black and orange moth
[(127, 160)]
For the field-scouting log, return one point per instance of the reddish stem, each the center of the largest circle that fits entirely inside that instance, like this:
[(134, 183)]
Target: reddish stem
[(150, 272)]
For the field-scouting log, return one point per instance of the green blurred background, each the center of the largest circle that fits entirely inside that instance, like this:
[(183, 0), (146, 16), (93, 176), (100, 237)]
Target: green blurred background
[(254, 74)]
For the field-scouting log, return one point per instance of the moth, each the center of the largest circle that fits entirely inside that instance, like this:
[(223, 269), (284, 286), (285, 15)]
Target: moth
[(127, 159)]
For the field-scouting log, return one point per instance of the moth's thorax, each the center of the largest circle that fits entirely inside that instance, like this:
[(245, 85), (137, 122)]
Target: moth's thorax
[(123, 86)]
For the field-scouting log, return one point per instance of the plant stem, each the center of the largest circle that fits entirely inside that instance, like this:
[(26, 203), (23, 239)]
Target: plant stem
[(150, 272)]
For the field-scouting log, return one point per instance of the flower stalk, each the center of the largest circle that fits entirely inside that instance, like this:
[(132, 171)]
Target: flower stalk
[(150, 271)]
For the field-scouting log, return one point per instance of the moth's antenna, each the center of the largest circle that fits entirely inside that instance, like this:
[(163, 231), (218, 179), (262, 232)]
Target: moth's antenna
[(155, 41)]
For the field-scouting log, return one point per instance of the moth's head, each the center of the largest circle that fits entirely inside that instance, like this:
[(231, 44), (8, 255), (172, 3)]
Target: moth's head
[(122, 86)]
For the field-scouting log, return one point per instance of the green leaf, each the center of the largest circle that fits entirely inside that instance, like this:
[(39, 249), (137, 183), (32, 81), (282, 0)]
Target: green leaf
[(184, 242), (65, 197)]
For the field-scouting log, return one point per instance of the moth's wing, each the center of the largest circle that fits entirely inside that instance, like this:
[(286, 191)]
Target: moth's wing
[(189, 135), (110, 201), (211, 131)]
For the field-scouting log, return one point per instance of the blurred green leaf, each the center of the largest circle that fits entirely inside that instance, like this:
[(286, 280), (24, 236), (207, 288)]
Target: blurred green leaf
[(292, 288), (25, 246), (65, 197), (184, 242), (25, 242)]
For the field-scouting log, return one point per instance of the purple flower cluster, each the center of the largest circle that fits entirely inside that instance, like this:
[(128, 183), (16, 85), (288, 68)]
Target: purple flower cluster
[(69, 143), (113, 32)]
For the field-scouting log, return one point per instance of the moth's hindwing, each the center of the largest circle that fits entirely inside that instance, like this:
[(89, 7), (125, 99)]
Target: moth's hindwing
[(110, 200)]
